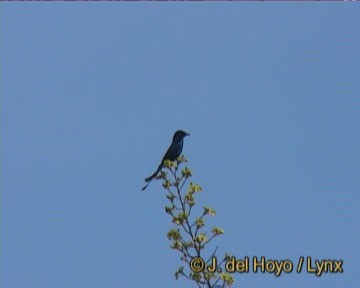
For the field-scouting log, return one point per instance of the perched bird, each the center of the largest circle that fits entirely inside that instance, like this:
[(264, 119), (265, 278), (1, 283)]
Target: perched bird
[(171, 154)]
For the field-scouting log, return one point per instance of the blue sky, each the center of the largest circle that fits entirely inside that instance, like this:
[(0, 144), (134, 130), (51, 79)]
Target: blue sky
[(92, 94)]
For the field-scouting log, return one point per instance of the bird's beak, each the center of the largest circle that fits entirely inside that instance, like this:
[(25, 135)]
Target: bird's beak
[(187, 134)]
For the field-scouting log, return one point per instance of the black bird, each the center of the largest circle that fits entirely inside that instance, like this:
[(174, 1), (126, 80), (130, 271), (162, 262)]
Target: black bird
[(171, 154)]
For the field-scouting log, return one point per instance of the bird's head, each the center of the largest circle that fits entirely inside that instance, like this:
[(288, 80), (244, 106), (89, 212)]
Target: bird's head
[(179, 135)]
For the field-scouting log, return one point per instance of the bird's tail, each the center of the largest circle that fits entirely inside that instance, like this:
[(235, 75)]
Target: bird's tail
[(150, 178), (147, 184)]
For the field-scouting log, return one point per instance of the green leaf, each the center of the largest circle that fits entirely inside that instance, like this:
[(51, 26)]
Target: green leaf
[(174, 234), (209, 211), (199, 222), (217, 231), (181, 159), (169, 210), (180, 218), (177, 245), (189, 198), (186, 172), (194, 188), (195, 276), (227, 278), (169, 164), (179, 272), (201, 238), (166, 184)]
